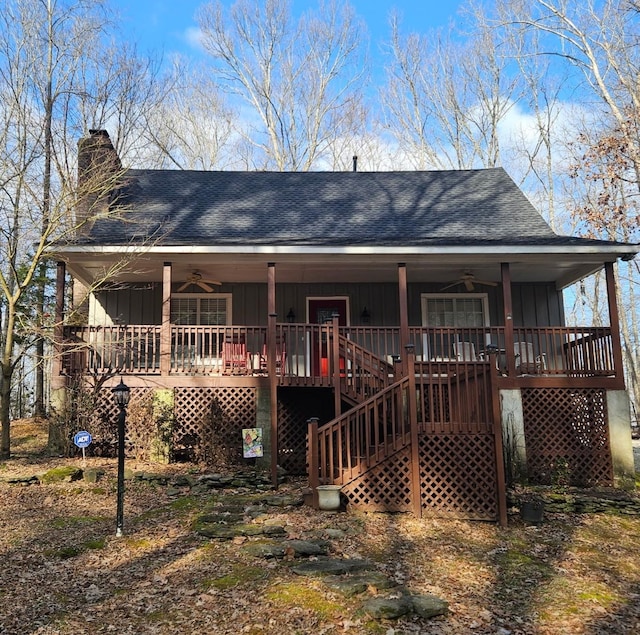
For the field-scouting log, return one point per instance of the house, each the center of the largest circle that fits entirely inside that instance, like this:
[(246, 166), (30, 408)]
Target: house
[(400, 334)]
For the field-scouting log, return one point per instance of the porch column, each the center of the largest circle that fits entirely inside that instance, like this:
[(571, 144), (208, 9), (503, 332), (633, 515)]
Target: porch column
[(165, 328), (614, 322), (335, 366), (271, 369), (57, 381), (404, 311), (505, 273), (413, 423)]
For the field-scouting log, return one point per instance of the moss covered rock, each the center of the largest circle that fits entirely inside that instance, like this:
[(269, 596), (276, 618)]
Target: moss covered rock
[(65, 473)]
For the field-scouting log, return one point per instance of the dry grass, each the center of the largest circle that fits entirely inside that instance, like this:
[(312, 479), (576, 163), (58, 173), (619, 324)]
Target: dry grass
[(64, 572)]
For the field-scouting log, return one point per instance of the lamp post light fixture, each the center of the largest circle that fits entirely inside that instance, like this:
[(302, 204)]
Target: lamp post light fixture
[(121, 393)]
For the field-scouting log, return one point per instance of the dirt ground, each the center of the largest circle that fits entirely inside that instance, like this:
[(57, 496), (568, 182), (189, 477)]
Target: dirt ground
[(65, 572)]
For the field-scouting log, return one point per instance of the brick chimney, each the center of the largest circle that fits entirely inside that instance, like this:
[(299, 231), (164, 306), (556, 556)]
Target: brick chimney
[(99, 174)]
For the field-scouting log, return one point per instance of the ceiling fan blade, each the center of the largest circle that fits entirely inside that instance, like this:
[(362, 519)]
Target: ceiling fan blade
[(217, 283), (184, 286), (453, 284), (468, 283), (204, 285), (487, 283)]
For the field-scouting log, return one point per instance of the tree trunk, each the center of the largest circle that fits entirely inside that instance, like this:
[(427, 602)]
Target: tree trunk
[(5, 417)]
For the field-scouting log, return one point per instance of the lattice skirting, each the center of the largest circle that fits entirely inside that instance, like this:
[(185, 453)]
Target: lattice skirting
[(385, 487), (457, 479), (567, 436), (458, 476), (295, 407), (210, 420), (207, 422)]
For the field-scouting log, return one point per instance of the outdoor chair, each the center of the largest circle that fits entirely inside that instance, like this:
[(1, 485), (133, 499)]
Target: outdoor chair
[(281, 355), (527, 362), (464, 352), (235, 357)]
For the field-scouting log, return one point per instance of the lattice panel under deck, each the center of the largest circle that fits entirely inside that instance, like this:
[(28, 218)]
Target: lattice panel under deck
[(458, 476), (103, 424), (385, 487), (567, 436), (292, 438), (295, 407), (210, 420)]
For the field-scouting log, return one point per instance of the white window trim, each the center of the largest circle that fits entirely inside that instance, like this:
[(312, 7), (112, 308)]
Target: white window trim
[(447, 296), (484, 297), (200, 296)]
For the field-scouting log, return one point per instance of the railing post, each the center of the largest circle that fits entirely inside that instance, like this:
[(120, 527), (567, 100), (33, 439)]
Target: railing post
[(413, 423), (312, 458)]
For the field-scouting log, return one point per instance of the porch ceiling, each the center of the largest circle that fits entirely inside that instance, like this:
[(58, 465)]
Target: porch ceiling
[(351, 266)]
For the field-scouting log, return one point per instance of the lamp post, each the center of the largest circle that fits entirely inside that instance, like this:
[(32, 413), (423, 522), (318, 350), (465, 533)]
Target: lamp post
[(121, 393)]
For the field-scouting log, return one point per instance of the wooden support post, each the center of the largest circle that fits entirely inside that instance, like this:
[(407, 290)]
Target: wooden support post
[(312, 458), (501, 485), (508, 319), (404, 310), (415, 437), (335, 365), (614, 323), (165, 328), (58, 328), (271, 368)]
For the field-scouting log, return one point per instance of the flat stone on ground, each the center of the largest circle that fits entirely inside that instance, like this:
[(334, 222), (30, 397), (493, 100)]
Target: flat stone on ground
[(329, 566), (429, 605), (359, 583), (388, 608)]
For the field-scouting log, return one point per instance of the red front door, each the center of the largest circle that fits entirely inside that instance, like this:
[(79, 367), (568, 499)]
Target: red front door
[(321, 311)]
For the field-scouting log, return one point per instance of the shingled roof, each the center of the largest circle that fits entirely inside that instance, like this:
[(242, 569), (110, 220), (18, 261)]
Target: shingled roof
[(451, 207)]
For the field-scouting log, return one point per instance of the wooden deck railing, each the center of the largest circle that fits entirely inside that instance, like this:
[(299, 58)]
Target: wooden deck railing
[(307, 354), (455, 397), (349, 445)]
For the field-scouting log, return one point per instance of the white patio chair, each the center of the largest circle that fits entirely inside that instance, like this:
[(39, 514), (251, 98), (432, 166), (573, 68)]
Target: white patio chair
[(465, 352), (527, 362)]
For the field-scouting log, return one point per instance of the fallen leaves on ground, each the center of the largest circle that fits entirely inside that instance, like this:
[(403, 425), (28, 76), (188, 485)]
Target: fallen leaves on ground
[(65, 572)]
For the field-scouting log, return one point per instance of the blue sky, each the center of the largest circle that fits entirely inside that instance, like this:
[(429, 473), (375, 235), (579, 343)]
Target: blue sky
[(164, 24)]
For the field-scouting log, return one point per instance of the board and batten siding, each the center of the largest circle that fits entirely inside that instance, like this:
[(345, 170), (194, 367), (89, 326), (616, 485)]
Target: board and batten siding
[(533, 304)]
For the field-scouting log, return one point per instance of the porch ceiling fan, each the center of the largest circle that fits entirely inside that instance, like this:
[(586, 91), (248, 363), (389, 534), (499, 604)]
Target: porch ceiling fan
[(469, 281), (196, 279)]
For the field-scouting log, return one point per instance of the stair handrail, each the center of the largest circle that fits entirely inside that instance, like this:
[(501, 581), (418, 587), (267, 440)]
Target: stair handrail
[(360, 438), (367, 372)]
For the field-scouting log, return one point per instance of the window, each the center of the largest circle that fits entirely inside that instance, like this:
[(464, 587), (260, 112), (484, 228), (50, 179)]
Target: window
[(200, 309), (455, 310), (465, 311)]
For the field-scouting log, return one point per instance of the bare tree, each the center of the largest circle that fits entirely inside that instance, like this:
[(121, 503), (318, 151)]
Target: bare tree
[(192, 127), (45, 79), (298, 80), (600, 41), (445, 100)]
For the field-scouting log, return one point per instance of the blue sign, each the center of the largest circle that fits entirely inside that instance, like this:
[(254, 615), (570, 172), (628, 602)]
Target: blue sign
[(82, 439)]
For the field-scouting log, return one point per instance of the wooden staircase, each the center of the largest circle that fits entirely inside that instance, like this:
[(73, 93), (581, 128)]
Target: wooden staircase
[(378, 427), (428, 441)]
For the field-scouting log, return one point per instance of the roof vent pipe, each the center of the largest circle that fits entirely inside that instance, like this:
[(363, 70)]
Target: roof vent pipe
[(355, 162)]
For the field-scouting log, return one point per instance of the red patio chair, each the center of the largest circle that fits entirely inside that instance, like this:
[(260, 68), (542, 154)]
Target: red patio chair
[(235, 357)]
